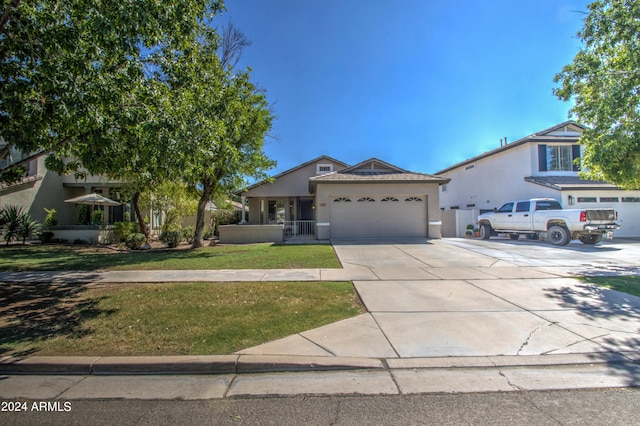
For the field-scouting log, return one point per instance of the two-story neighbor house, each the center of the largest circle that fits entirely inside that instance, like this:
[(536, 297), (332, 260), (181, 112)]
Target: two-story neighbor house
[(329, 199), (544, 164)]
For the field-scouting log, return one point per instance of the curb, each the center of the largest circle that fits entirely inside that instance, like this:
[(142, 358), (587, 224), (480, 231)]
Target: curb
[(244, 364), (175, 365)]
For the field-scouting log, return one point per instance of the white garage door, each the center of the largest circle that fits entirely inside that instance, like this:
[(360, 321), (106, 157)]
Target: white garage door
[(378, 216)]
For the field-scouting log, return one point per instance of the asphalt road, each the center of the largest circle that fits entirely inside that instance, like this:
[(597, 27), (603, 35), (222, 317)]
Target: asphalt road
[(583, 407)]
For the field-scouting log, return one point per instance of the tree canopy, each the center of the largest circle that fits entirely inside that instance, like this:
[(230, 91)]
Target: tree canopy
[(68, 67), (138, 90), (604, 82)]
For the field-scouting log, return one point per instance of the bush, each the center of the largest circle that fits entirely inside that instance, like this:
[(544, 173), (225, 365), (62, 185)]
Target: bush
[(97, 217), (122, 230), (46, 236), (135, 241), (188, 233), (171, 238), (17, 224), (51, 219)]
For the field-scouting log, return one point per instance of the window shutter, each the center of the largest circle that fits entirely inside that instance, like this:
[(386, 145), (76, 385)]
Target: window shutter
[(575, 154), (542, 158)]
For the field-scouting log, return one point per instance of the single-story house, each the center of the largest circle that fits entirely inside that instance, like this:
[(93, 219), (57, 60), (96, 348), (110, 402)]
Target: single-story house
[(327, 199), (544, 164)]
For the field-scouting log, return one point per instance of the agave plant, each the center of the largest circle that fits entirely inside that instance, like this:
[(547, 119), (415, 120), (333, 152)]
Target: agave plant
[(16, 224)]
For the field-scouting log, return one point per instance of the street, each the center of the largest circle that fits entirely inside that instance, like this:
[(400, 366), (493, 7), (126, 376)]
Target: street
[(584, 407)]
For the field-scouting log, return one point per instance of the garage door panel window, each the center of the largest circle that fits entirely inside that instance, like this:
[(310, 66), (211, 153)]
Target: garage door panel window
[(413, 200), (390, 200), (342, 200), (366, 200)]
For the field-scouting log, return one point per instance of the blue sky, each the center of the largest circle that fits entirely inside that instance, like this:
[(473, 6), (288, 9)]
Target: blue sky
[(421, 84)]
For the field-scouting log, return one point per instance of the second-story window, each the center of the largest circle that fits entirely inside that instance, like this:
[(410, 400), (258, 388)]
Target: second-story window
[(558, 158)]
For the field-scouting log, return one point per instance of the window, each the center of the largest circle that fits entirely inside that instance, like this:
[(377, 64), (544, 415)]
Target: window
[(470, 167), (276, 211), (366, 200), (587, 199), (609, 199), (470, 205), (631, 199), (324, 168), (342, 200), (548, 205), (413, 199), (558, 158), (443, 187), (391, 199), (523, 206), (507, 208)]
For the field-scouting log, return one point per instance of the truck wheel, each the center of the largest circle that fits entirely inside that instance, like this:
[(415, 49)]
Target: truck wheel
[(559, 235), (485, 231), (514, 236), (590, 238)]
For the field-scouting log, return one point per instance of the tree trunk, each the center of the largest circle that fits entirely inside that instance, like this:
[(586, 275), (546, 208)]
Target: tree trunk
[(202, 205), (136, 208)]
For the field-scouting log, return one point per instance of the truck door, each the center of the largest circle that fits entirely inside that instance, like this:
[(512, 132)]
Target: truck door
[(522, 216), (503, 217)]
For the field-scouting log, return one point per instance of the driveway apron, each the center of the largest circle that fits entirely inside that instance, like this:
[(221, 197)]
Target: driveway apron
[(458, 297)]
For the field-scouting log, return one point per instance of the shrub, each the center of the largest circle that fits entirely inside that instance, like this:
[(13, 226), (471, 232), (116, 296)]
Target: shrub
[(188, 233), (46, 236), (122, 230), (17, 224), (29, 228), (171, 238), (135, 241), (97, 217), (51, 219)]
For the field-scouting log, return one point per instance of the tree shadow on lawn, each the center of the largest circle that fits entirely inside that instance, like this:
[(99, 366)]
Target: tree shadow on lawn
[(57, 258), (613, 318), (31, 312)]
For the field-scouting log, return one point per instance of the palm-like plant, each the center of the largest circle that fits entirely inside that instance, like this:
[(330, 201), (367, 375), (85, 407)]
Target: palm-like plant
[(29, 228), (15, 224)]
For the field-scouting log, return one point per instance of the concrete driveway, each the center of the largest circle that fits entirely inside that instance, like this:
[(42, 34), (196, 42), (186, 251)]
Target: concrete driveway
[(464, 297)]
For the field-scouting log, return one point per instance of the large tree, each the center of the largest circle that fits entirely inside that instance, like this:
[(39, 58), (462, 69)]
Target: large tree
[(68, 68), (219, 118), (604, 82)]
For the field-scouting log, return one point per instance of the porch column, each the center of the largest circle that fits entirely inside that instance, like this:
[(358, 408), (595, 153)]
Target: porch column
[(243, 201)]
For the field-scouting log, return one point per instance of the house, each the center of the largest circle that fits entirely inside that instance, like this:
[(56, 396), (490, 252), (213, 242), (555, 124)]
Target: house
[(42, 188), (544, 164), (327, 199)]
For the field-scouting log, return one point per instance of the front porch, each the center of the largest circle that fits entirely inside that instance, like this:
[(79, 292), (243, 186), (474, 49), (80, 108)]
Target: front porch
[(287, 231)]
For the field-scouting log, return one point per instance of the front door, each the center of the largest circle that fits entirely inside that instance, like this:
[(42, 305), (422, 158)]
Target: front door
[(305, 209)]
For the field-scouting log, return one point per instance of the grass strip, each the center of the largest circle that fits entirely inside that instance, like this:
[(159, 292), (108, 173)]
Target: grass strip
[(249, 256), (625, 284), (164, 319)]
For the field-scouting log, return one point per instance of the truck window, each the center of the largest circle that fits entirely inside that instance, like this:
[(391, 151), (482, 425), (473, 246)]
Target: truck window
[(507, 208), (548, 205), (523, 206)]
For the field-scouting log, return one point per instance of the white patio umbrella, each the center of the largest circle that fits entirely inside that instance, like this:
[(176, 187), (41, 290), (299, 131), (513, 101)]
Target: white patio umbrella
[(93, 200)]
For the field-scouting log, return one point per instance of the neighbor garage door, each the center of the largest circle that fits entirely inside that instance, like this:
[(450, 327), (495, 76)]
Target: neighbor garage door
[(378, 216)]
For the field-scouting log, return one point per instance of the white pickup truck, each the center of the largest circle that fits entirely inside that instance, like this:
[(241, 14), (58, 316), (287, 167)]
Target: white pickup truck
[(545, 218)]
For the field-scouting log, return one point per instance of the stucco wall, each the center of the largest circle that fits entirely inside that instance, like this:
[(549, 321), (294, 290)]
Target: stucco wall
[(246, 234)]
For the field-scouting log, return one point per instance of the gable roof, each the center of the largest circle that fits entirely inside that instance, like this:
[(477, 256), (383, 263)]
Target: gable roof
[(298, 167), (374, 170), (540, 136)]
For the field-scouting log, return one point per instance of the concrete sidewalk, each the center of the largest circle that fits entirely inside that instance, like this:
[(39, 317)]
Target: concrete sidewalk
[(489, 315)]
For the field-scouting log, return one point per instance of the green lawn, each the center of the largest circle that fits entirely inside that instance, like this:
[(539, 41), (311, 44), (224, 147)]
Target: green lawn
[(164, 319), (625, 284), (250, 256)]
